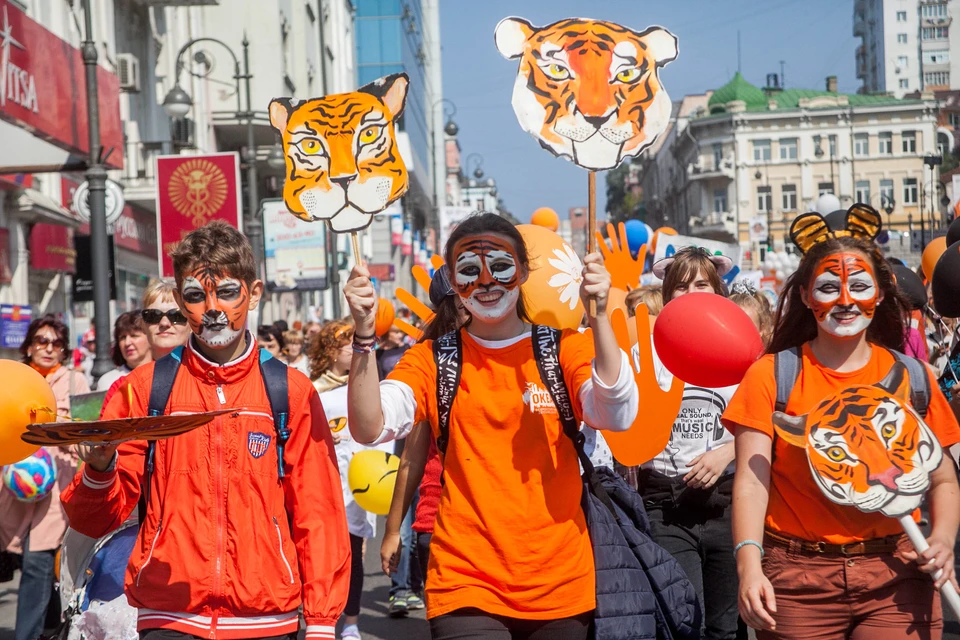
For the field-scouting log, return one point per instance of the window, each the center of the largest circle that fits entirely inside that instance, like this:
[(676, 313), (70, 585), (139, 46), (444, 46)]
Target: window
[(936, 78), (789, 197), (719, 200), (863, 191), (901, 16), (764, 199), (886, 143), (833, 145), (903, 83), (717, 157), (932, 33), (930, 11), (761, 151), (903, 61), (909, 141), (824, 187), (901, 38), (955, 120), (861, 144), (910, 191), (788, 149), (886, 193), (936, 57)]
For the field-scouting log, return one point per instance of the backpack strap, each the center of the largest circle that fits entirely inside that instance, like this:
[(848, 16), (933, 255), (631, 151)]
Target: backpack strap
[(448, 356), (919, 382), (164, 374), (786, 370), (274, 374), (546, 352)]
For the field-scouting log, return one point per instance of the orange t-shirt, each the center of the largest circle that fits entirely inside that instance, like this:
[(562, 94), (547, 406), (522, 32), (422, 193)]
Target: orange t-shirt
[(510, 538), (797, 507)]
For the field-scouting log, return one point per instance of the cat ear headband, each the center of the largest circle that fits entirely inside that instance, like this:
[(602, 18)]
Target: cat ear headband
[(721, 262), (863, 221)]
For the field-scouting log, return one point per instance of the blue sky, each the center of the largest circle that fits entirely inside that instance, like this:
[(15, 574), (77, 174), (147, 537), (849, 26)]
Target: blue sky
[(814, 38)]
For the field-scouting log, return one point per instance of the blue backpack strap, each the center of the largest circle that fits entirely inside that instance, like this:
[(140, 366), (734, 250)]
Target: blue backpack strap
[(786, 370), (274, 374), (164, 374), (448, 357), (919, 382)]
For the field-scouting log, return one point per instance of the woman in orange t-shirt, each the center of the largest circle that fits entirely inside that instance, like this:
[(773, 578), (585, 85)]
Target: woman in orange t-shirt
[(510, 555), (809, 567)]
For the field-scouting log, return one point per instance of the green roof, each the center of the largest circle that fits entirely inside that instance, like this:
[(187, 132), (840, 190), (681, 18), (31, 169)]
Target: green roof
[(756, 100), (737, 89)]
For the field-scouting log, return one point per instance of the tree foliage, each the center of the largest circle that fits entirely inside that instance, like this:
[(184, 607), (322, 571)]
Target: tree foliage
[(622, 203)]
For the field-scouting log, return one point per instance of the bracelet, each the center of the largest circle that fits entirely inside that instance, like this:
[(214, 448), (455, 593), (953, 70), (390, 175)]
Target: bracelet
[(364, 348), (357, 336), (746, 542)]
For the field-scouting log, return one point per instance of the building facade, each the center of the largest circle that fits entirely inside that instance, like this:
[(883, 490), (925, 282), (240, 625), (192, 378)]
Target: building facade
[(750, 153), (907, 45)]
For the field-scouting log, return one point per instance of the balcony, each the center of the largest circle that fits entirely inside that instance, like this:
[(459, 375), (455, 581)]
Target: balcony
[(139, 178), (861, 62)]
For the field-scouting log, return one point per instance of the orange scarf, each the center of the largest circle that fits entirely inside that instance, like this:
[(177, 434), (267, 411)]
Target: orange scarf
[(44, 372)]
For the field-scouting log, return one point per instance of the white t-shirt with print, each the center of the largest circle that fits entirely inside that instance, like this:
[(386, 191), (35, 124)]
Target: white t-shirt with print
[(697, 428)]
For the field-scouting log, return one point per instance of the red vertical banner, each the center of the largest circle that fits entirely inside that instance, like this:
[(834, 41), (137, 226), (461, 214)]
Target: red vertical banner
[(192, 191)]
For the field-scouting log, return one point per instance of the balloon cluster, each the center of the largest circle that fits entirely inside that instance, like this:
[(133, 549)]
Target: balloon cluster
[(780, 264), (946, 274)]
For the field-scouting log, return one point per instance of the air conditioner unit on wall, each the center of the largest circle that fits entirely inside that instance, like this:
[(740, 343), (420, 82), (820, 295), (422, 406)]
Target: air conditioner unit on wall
[(128, 70)]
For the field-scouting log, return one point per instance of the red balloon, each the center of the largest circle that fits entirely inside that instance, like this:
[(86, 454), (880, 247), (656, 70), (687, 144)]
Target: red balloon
[(706, 340)]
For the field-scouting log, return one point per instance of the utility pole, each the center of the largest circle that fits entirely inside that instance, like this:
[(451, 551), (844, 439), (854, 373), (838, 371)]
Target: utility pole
[(96, 175)]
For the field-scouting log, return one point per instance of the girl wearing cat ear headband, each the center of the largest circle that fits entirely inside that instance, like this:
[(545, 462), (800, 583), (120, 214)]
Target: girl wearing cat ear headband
[(828, 569)]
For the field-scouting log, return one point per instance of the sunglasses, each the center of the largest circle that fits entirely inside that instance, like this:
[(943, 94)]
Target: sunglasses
[(43, 341), (154, 316)]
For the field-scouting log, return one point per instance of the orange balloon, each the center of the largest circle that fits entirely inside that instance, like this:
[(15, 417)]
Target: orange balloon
[(385, 317), (667, 231), (931, 254), (552, 291), (546, 217), (25, 398)]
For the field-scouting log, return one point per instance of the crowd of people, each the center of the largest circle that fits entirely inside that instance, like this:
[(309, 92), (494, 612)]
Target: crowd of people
[(249, 523)]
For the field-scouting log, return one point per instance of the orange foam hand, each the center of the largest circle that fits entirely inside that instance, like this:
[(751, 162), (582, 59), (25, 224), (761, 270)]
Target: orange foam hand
[(418, 308), (650, 431), (625, 271)]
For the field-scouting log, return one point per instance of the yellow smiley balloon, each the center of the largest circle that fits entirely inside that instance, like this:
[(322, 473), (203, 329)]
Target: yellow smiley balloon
[(372, 476)]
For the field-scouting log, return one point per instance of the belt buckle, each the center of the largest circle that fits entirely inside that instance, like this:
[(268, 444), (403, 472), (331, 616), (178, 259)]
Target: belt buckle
[(853, 549)]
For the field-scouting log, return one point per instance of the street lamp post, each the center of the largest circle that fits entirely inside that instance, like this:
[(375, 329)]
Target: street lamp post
[(820, 153), (178, 103), (97, 180)]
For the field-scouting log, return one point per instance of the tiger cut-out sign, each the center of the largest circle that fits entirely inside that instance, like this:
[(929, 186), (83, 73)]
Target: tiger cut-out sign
[(867, 447), (589, 90), (343, 164)]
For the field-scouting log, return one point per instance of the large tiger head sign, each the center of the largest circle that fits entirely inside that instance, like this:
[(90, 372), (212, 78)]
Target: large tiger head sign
[(589, 90), (342, 160), (867, 447)]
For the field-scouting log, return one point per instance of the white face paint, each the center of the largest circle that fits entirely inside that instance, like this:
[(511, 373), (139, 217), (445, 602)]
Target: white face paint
[(844, 305), (212, 325), (486, 280)]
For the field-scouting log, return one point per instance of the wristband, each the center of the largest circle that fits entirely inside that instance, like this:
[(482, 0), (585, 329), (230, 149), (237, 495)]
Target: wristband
[(746, 542), (357, 336)]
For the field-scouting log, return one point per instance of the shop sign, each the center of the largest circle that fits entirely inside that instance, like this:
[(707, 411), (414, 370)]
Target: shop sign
[(51, 248), (192, 191), (382, 272), (42, 88), (14, 322), (83, 280), (295, 251)]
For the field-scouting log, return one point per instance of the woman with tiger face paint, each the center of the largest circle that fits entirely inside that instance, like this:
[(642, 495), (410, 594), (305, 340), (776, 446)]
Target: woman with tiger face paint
[(510, 555), (810, 567)]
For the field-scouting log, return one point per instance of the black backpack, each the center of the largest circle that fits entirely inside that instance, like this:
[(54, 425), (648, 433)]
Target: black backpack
[(274, 374), (642, 592)]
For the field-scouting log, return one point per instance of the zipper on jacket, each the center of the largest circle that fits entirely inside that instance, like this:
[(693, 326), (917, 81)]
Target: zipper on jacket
[(280, 546), (215, 616), (153, 546), (222, 398)]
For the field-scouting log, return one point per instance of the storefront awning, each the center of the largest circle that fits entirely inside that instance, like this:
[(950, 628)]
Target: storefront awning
[(34, 206)]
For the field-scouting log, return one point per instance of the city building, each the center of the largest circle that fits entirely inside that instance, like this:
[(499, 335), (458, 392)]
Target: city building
[(742, 152), (907, 45)]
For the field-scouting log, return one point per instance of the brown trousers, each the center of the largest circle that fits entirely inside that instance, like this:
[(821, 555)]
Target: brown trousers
[(870, 597)]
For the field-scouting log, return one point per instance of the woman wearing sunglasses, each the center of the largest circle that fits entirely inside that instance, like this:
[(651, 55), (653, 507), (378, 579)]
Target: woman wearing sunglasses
[(130, 348), (34, 530)]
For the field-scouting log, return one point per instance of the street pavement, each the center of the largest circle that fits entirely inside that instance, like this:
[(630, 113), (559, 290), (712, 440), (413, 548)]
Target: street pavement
[(374, 622)]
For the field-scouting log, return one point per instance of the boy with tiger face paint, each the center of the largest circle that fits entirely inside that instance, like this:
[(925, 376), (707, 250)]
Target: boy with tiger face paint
[(216, 305), (487, 277)]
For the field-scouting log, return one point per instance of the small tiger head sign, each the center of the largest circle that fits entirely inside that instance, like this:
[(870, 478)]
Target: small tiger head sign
[(867, 447), (342, 160), (589, 90)]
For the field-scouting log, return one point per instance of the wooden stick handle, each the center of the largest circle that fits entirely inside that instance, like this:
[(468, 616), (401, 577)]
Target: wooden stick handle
[(920, 544), (592, 224), (355, 240)]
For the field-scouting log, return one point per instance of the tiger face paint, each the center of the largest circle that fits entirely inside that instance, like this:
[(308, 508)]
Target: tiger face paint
[(844, 294), (215, 306), (486, 276)]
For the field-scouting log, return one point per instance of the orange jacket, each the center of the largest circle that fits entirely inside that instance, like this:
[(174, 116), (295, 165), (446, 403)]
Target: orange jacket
[(225, 551)]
